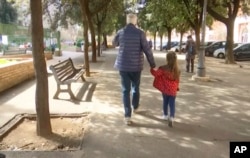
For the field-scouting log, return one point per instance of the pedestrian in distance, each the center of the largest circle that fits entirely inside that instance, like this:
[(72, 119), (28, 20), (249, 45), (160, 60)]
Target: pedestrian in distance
[(53, 48), (166, 80), (190, 54), (150, 43), (133, 45)]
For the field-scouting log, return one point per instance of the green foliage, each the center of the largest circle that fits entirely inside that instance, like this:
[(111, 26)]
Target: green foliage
[(219, 6), (19, 39), (245, 8), (72, 14), (111, 18), (223, 10), (8, 14), (79, 42), (7, 29), (162, 14)]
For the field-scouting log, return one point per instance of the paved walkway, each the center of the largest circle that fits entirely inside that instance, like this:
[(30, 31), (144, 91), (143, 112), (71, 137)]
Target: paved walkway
[(208, 114)]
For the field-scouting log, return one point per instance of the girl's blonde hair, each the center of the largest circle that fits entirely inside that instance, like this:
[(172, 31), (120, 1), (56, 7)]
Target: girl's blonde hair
[(172, 64)]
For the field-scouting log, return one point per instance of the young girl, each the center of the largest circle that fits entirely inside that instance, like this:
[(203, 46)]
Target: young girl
[(166, 80)]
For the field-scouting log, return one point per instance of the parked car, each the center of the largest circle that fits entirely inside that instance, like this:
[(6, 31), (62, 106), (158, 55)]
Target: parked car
[(209, 50), (178, 47), (220, 53), (172, 44), (208, 43), (242, 52)]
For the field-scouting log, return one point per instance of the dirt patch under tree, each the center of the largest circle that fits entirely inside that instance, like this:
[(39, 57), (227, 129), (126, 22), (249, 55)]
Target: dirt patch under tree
[(67, 134)]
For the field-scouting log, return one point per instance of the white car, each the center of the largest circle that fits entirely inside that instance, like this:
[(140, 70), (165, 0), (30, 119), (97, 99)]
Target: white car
[(220, 53)]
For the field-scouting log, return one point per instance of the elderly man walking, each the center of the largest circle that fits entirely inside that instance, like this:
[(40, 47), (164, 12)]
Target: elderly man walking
[(132, 44)]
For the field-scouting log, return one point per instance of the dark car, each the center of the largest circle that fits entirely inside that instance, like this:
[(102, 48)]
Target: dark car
[(208, 43), (172, 44), (179, 48), (209, 50), (242, 52)]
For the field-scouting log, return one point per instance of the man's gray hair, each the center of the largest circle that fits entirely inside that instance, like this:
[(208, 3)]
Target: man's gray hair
[(131, 18)]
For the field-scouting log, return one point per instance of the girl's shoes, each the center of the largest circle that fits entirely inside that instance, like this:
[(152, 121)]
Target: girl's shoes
[(171, 122)]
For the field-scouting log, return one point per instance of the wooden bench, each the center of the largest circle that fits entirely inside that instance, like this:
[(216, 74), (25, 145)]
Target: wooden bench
[(14, 52), (65, 73)]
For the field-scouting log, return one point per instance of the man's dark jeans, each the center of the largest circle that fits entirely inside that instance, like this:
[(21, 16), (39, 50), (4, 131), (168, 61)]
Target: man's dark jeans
[(128, 80)]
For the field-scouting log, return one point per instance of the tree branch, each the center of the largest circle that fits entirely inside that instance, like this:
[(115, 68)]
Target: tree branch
[(100, 8), (216, 15)]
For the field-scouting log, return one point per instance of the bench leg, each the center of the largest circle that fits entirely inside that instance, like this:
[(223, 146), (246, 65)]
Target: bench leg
[(57, 92), (72, 96), (83, 79)]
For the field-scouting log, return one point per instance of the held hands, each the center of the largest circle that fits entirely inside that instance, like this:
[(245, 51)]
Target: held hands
[(155, 68)]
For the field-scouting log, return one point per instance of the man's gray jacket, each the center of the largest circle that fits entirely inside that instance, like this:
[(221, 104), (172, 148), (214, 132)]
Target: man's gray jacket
[(132, 43)]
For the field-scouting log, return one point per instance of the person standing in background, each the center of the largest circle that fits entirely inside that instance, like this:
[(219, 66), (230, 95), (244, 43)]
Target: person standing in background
[(132, 44), (150, 43), (190, 54)]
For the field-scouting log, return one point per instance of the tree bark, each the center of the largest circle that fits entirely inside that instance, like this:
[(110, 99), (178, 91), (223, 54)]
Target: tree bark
[(154, 40), (99, 39), (93, 41), (41, 96), (181, 38), (169, 30), (197, 36), (230, 42), (86, 54), (84, 5), (161, 36), (105, 40)]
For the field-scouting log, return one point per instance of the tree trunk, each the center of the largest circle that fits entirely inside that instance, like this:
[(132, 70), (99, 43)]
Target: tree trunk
[(92, 30), (86, 54), (181, 38), (83, 5), (230, 42), (105, 40), (99, 40), (161, 42), (41, 96), (154, 40), (93, 41), (197, 36), (169, 30)]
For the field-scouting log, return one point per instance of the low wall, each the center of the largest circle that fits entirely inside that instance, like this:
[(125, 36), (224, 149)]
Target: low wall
[(14, 73), (48, 55)]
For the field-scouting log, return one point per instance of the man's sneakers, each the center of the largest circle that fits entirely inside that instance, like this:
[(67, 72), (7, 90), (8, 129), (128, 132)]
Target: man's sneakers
[(128, 121), (135, 110), (164, 117), (171, 122)]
